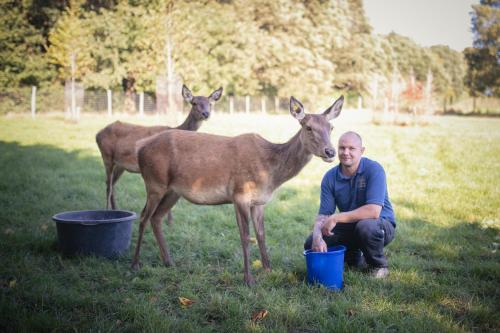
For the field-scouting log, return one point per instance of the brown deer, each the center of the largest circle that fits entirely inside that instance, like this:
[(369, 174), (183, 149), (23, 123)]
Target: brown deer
[(244, 170), (117, 141)]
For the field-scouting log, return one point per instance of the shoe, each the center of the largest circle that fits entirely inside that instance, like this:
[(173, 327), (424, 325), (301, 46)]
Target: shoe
[(379, 272)]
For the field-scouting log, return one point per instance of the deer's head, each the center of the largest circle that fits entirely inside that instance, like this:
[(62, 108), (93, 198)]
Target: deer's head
[(200, 105), (316, 128)]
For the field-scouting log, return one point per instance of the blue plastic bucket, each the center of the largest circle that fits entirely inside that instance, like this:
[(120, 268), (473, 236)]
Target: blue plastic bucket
[(326, 268), (103, 233)]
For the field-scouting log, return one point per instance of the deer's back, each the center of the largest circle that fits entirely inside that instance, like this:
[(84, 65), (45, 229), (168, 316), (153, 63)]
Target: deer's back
[(206, 168), (117, 142)]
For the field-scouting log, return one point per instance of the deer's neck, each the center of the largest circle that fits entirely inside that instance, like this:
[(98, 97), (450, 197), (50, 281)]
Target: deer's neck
[(289, 158), (190, 124)]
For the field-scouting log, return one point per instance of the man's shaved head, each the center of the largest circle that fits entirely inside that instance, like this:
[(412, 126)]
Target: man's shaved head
[(352, 135)]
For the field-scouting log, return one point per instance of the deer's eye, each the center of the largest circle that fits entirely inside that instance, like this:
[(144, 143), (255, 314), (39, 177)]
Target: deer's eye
[(308, 128)]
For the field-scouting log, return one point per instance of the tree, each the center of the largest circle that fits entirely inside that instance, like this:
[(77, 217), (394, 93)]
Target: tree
[(70, 43), (483, 59), (22, 58)]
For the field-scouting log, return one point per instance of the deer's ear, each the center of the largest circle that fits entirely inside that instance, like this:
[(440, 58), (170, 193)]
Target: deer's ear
[(333, 111), (186, 94), (296, 109), (214, 97)]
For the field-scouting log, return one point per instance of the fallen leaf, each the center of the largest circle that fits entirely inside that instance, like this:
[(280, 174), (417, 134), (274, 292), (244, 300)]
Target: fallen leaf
[(257, 316), (256, 264), (153, 299), (186, 301), (253, 240), (12, 283), (44, 227), (350, 313)]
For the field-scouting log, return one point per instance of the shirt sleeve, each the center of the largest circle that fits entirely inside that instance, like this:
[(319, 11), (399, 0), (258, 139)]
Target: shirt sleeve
[(376, 186), (327, 199)]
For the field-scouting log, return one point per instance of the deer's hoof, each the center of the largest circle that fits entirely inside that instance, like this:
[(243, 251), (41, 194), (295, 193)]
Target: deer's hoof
[(169, 264), (250, 281)]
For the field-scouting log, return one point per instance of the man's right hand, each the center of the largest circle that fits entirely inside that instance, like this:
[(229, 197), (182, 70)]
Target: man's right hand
[(319, 245)]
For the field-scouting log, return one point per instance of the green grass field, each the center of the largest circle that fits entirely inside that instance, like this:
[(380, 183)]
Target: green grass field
[(444, 182)]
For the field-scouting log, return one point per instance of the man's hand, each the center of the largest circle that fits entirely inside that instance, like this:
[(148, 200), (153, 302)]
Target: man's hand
[(328, 225), (319, 245)]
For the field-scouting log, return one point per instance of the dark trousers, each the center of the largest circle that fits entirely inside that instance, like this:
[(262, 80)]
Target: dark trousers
[(365, 241)]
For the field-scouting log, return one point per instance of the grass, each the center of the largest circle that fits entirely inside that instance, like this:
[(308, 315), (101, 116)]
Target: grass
[(445, 267)]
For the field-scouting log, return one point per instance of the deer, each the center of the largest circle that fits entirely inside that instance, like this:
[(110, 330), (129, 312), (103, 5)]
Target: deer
[(244, 170), (118, 141)]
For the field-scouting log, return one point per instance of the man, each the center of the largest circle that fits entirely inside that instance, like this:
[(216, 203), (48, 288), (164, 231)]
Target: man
[(365, 222)]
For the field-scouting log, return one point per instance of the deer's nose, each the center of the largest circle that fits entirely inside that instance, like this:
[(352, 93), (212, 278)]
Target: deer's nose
[(205, 114), (330, 152)]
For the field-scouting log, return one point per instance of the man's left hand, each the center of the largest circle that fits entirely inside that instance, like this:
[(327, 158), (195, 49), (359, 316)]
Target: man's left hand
[(329, 224)]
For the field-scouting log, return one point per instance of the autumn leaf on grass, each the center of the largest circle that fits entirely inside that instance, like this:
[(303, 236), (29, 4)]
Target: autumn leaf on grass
[(12, 283), (258, 316), (186, 301), (253, 240), (256, 264)]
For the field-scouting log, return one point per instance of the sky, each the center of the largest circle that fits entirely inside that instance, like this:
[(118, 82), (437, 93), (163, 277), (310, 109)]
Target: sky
[(427, 22)]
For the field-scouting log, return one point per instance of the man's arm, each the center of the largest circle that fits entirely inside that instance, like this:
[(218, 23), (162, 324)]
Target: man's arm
[(318, 244), (326, 208), (368, 211)]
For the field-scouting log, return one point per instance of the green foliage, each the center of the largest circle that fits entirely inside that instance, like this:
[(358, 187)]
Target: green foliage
[(21, 46), (310, 49), (483, 74), (444, 260)]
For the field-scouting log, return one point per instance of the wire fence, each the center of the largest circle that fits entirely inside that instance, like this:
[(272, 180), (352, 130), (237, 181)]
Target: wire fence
[(58, 100), (48, 100)]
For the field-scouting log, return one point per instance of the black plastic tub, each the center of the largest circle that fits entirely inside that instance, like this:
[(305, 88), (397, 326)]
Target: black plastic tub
[(103, 233)]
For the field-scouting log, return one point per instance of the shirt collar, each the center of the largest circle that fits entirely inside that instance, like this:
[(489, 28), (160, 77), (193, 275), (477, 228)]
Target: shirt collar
[(361, 168)]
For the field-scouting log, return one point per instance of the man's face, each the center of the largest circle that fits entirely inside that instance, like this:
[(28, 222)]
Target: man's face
[(350, 150)]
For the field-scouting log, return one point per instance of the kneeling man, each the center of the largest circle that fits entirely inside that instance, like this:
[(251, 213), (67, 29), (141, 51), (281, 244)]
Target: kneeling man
[(365, 222)]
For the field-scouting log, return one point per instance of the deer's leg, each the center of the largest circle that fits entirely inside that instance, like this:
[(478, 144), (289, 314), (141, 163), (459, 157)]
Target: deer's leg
[(109, 166), (151, 204), (117, 172), (242, 217), (258, 224), (167, 202), (170, 217)]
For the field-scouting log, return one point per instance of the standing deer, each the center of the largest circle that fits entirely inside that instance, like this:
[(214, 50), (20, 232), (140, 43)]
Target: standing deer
[(117, 141), (244, 170)]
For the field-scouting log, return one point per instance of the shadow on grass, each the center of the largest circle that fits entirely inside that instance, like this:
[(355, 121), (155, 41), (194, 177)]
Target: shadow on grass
[(39, 181)]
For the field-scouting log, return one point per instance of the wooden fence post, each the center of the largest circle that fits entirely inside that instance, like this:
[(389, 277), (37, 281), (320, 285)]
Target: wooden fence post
[(141, 104), (110, 105), (33, 101)]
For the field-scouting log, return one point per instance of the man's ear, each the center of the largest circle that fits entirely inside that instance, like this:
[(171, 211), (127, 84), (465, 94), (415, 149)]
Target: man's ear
[(296, 109)]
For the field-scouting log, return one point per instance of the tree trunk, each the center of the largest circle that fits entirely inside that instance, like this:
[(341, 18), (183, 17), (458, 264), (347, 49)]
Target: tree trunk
[(129, 88)]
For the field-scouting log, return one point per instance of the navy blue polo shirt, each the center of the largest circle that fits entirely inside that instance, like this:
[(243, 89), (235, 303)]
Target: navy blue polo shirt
[(367, 186)]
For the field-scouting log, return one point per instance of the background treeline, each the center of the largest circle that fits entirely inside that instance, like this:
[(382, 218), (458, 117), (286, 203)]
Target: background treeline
[(309, 48)]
